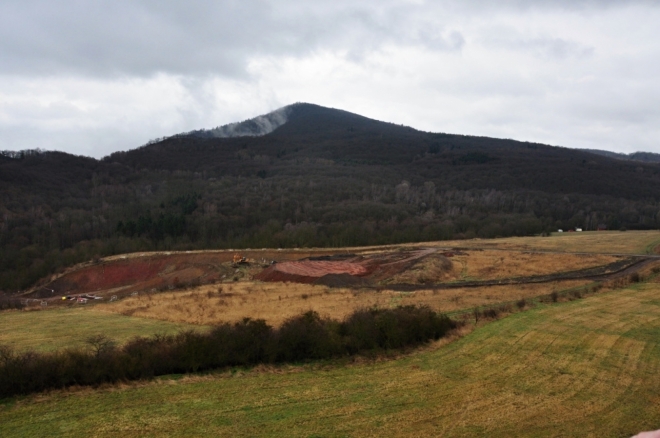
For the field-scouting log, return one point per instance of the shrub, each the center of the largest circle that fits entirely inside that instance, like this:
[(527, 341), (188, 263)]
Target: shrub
[(10, 303), (521, 303), (395, 328), (307, 337), (476, 314), (634, 277), (491, 313), (247, 342), (554, 296)]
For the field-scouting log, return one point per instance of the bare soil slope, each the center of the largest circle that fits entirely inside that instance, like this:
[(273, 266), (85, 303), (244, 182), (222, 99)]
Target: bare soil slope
[(358, 267)]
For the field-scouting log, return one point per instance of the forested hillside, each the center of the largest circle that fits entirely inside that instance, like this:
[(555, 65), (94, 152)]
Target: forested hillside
[(323, 178)]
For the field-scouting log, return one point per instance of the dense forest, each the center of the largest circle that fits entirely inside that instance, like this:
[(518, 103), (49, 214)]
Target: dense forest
[(324, 178)]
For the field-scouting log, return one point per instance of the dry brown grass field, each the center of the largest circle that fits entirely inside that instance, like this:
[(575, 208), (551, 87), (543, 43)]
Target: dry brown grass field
[(276, 302), (602, 242), (495, 265)]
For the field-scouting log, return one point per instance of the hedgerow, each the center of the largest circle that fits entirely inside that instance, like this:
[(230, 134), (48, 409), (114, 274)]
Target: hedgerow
[(244, 343)]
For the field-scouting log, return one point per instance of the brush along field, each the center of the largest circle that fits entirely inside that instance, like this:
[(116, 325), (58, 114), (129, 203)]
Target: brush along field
[(277, 302), (50, 330), (582, 368)]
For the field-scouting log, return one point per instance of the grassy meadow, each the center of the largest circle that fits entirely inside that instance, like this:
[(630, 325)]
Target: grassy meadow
[(582, 368), (48, 330)]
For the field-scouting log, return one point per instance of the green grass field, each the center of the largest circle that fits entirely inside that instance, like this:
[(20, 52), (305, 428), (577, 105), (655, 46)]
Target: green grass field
[(48, 330), (583, 368)]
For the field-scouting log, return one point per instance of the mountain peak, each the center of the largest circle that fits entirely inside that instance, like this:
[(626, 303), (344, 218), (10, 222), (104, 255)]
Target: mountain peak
[(267, 123)]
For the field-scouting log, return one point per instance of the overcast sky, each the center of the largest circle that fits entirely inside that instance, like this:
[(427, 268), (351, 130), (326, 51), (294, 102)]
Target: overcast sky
[(92, 76)]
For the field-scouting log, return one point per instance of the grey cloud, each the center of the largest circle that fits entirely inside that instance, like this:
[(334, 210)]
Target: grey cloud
[(135, 38), (487, 5), (146, 37), (543, 46), (122, 37), (229, 60), (438, 39)]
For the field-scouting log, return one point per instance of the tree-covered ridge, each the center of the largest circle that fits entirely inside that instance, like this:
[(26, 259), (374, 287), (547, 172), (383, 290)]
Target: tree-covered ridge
[(324, 178)]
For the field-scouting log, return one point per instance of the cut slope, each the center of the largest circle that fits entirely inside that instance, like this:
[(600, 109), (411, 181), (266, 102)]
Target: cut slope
[(309, 271)]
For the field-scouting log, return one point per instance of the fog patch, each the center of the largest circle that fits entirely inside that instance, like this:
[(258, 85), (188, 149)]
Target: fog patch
[(255, 127)]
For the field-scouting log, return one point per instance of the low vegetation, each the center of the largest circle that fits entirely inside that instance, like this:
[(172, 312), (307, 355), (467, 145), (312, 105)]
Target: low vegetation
[(581, 368), (277, 302), (248, 342), (557, 365)]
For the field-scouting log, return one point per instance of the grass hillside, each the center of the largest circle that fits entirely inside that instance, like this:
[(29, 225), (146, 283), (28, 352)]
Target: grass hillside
[(581, 368), (60, 328)]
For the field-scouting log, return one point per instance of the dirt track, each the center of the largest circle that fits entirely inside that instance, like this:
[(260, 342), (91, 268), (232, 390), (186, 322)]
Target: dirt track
[(608, 272)]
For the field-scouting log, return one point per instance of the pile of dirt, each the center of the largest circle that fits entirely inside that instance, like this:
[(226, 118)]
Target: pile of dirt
[(347, 269), (308, 271)]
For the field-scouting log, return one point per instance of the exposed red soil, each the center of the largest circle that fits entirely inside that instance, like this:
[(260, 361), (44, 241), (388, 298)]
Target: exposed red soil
[(122, 275), (308, 271), (146, 271), (375, 266), (137, 273)]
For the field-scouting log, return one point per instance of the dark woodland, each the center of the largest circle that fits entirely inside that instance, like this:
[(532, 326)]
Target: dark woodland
[(326, 178)]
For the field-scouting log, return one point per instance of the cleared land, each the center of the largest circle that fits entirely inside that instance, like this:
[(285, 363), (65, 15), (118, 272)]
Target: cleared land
[(157, 272), (233, 295), (584, 368), (60, 328)]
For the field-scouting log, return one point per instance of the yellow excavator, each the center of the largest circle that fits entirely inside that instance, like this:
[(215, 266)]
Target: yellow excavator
[(240, 260)]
